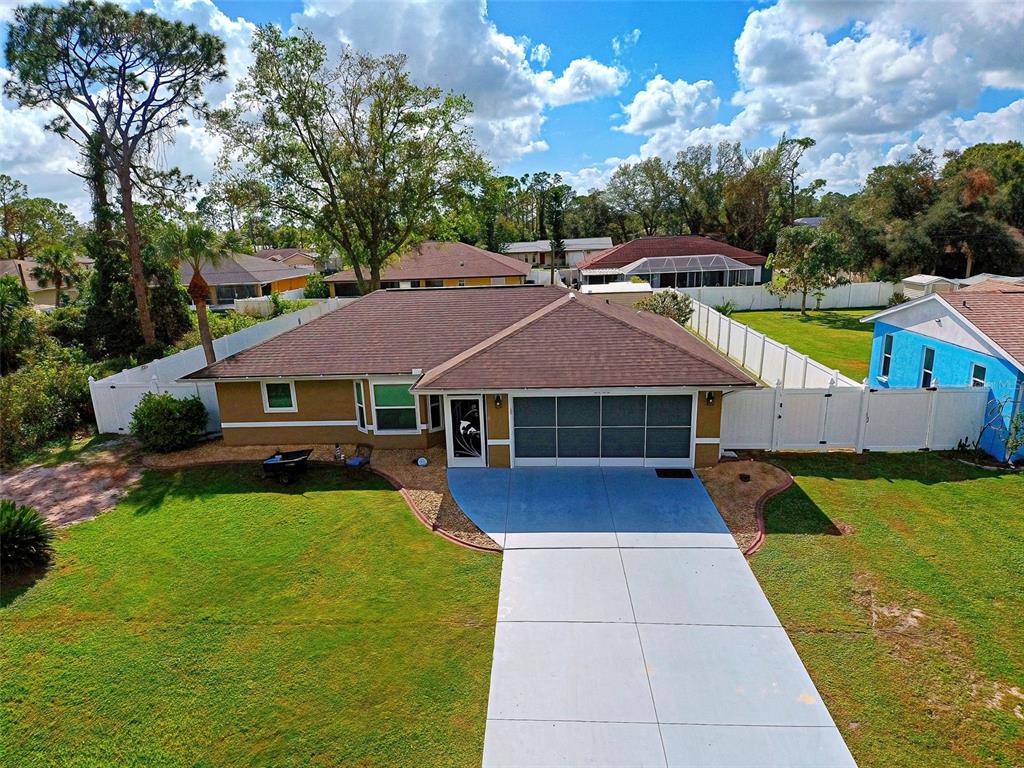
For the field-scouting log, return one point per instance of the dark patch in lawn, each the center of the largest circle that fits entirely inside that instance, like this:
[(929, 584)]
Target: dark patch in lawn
[(13, 587), (793, 512), (836, 321), (927, 468)]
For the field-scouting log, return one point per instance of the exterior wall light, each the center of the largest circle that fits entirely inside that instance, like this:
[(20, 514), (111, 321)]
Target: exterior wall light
[(497, 401), (709, 398)]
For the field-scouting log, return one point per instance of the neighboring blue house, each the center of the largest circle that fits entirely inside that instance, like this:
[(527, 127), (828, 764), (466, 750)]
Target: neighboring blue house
[(968, 338)]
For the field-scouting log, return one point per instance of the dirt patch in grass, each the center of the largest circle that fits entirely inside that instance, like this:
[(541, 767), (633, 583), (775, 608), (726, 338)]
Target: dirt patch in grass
[(737, 488), (74, 491), (427, 487)]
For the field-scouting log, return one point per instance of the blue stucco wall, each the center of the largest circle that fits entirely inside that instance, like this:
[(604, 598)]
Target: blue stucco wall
[(951, 368)]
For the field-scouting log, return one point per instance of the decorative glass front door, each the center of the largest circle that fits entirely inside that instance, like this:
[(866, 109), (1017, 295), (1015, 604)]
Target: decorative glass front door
[(466, 432)]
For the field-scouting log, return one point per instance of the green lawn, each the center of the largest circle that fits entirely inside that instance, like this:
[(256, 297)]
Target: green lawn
[(214, 619), (912, 623), (834, 338)]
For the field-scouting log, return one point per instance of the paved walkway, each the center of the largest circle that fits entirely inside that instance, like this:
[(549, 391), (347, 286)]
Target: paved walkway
[(631, 631)]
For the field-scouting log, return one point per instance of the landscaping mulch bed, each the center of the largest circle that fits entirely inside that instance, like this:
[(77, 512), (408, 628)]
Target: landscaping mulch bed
[(427, 488), (738, 500), (215, 452)]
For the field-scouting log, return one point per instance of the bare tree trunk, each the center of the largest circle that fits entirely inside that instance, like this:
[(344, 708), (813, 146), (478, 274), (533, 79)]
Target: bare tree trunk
[(204, 329), (58, 283), (803, 303), (970, 259), (135, 258)]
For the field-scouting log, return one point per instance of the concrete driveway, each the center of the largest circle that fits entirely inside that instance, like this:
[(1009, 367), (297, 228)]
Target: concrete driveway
[(631, 631)]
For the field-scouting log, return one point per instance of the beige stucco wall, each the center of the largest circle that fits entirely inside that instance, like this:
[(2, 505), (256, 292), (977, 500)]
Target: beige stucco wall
[(706, 454), (709, 417), (497, 418), (499, 456)]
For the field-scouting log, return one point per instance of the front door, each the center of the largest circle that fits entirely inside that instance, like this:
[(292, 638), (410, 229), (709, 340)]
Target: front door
[(465, 433)]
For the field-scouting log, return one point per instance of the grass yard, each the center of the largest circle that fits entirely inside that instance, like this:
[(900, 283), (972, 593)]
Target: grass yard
[(214, 619), (912, 622), (835, 338)]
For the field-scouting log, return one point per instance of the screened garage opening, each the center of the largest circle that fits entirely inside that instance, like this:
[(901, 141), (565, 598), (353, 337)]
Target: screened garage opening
[(610, 430)]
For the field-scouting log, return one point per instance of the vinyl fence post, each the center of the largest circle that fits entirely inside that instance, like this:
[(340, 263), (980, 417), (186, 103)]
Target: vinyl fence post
[(760, 362), (785, 363), (931, 418), (803, 374), (862, 420), (743, 354), (776, 416)]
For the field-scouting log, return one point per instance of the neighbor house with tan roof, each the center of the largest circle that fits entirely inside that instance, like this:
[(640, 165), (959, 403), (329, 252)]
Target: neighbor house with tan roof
[(502, 376), (293, 257), (967, 338), (435, 264), (677, 261), (244, 277)]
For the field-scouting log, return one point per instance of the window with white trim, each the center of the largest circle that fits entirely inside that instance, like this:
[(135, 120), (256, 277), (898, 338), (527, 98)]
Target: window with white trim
[(927, 367), (360, 407), (978, 374), (436, 413), (886, 355), (279, 397), (394, 408)]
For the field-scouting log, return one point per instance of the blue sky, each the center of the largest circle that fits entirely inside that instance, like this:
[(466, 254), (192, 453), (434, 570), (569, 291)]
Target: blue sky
[(868, 80)]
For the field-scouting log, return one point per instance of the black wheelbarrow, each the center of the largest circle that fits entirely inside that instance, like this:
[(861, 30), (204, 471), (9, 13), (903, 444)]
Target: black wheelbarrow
[(285, 466)]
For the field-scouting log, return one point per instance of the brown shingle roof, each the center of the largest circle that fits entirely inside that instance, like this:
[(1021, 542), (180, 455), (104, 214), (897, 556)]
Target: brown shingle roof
[(435, 260), (999, 315), (489, 338), (387, 332), (242, 269), (677, 245), (995, 286), (280, 254), (600, 345)]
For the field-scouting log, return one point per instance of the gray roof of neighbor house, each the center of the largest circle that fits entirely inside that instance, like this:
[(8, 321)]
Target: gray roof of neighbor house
[(675, 245), (435, 260), (242, 269), (571, 244), (488, 338)]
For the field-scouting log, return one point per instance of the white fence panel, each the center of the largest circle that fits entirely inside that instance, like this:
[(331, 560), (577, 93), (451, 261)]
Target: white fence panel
[(755, 297), (957, 415), (748, 418), (842, 418), (802, 422), (115, 397), (898, 420)]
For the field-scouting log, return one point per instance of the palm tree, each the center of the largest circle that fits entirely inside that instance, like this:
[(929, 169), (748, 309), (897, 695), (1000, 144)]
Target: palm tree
[(56, 264), (198, 246)]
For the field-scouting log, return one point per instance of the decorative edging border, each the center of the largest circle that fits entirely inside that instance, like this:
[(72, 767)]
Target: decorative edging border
[(771, 493), (397, 485)]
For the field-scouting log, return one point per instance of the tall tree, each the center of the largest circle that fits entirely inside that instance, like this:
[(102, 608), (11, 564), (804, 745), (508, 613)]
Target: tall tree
[(126, 79), (558, 199), (199, 247), (56, 265), (16, 322), (11, 192), (644, 189), (356, 150), (807, 260), (38, 222)]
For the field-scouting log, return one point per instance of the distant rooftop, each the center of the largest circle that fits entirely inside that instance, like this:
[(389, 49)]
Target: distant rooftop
[(571, 244)]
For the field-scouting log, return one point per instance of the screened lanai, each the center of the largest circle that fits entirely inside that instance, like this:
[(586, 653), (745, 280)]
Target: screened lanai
[(680, 272)]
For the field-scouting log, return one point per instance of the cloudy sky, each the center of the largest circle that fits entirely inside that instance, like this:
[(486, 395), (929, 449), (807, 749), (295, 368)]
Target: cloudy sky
[(579, 87)]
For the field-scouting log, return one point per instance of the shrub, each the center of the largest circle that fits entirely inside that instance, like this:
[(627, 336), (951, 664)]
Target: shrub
[(316, 288), (898, 297), (48, 397), (26, 539), (677, 306), (726, 309), (165, 423)]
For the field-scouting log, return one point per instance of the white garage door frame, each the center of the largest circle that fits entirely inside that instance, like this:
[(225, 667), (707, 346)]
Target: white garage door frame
[(660, 463)]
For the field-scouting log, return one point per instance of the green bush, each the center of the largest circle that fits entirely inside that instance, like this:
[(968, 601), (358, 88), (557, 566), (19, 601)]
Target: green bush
[(221, 324), (677, 306), (725, 309), (47, 398), (26, 539), (898, 297), (165, 423), (316, 288)]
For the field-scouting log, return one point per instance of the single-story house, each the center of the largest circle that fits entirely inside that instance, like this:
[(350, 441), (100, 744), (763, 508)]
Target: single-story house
[(503, 376), (627, 293), (537, 253), (435, 264), (679, 261), (244, 277), (962, 339), (38, 295), (293, 257)]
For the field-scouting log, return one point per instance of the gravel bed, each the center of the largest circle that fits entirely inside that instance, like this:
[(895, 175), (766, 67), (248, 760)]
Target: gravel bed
[(737, 499)]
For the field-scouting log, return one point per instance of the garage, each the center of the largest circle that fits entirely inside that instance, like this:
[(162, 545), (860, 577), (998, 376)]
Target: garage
[(654, 430)]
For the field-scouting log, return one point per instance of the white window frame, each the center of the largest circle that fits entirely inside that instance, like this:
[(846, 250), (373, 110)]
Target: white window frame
[(415, 404), (430, 413), (930, 372), (360, 400), (979, 381), (889, 339), (294, 408)]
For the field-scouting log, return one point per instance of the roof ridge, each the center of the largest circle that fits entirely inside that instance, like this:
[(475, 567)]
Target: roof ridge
[(467, 354), (596, 306)]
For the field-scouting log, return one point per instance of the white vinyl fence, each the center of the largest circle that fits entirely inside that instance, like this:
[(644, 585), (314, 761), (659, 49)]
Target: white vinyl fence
[(852, 418), (115, 397), (769, 360), (748, 297)]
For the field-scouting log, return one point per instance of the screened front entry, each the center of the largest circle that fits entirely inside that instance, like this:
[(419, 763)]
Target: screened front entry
[(611, 430)]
